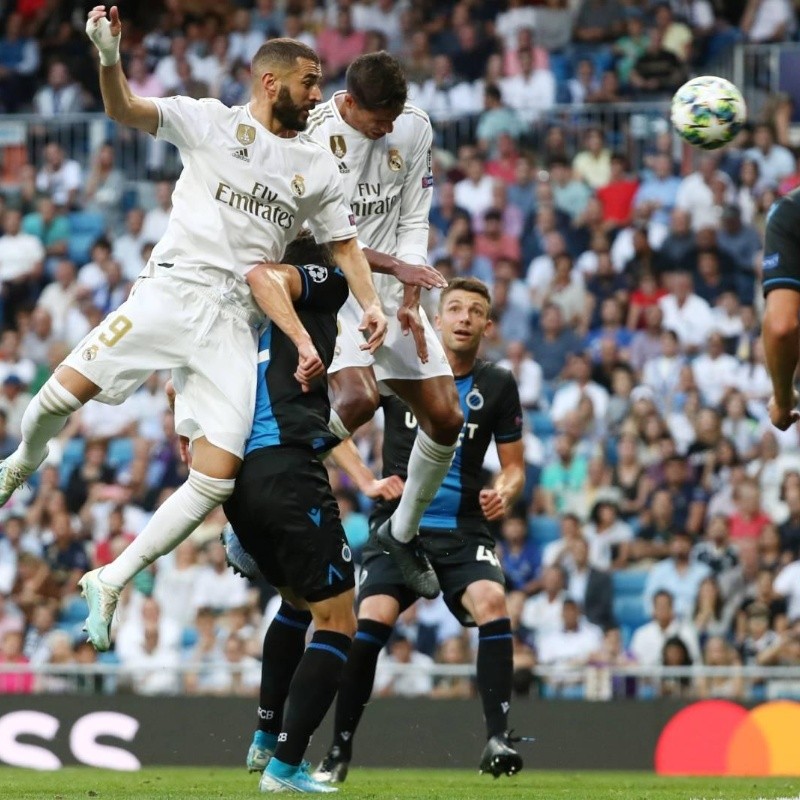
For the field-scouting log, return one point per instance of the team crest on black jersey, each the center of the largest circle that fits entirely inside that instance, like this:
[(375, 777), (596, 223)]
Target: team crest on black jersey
[(338, 145), (474, 399), (316, 273), (245, 134), (395, 160), (298, 186)]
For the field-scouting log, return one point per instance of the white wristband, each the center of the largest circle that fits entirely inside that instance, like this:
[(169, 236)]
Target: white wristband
[(106, 43)]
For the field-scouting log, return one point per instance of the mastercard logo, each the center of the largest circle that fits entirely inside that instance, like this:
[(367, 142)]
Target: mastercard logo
[(717, 737)]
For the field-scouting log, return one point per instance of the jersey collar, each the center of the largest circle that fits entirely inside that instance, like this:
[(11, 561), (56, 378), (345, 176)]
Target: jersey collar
[(337, 115)]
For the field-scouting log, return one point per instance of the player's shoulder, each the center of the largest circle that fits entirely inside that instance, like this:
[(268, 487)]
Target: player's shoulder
[(320, 115), (497, 378), (413, 121)]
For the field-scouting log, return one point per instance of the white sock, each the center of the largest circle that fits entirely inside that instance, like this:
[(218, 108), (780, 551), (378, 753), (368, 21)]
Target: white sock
[(43, 419), (177, 517), (337, 427), (428, 464)]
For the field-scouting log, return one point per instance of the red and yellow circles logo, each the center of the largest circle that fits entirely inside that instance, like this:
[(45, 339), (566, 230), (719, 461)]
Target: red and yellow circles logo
[(717, 737)]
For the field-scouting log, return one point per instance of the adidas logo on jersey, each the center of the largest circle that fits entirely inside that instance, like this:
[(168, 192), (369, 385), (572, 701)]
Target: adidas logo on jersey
[(343, 168), (241, 154)]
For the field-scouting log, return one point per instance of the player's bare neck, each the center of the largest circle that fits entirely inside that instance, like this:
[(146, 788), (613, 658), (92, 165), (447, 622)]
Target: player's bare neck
[(461, 363)]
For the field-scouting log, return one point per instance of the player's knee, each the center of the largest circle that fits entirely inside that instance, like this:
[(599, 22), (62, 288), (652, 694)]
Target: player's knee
[(490, 604), (379, 608), (446, 422), (335, 614), (356, 405)]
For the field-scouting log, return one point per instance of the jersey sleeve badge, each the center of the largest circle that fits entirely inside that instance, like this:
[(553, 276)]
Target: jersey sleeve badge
[(298, 186), (245, 134)]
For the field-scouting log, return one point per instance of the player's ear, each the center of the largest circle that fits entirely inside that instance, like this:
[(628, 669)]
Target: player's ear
[(270, 84), (437, 321), (489, 327)]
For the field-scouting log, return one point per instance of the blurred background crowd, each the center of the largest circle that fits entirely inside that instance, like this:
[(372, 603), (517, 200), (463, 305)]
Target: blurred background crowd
[(661, 518)]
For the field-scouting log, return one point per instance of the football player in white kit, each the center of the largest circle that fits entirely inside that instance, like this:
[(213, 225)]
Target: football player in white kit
[(382, 146), (248, 184)]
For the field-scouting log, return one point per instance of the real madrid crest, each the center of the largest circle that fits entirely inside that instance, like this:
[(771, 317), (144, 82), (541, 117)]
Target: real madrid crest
[(298, 186), (474, 399), (338, 145), (395, 160), (90, 353), (245, 134)]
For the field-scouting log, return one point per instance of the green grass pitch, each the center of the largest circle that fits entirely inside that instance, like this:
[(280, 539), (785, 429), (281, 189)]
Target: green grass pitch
[(404, 784)]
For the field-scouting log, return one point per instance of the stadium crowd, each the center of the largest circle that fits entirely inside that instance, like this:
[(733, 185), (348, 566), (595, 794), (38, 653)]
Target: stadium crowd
[(661, 517)]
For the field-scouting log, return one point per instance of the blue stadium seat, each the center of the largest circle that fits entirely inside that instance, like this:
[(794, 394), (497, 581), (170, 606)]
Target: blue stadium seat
[(85, 228), (73, 455), (541, 424), (120, 453), (109, 657), (189, 638), (629, 611), (543, 530), (75, 610), (629, 582)]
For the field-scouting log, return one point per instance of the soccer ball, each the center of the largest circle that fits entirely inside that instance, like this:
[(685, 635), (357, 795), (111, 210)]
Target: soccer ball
[(708, 112)]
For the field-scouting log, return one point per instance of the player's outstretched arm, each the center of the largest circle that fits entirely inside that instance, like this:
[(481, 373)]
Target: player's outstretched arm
[(508, 485), (420, 275), (350, 258), (348, 458), (120, 103), (275, 288), (781, 333)]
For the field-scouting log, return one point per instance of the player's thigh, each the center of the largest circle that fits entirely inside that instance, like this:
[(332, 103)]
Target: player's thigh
[(349, 338), (781, 262), (382, 592), (485, 600), (397, 359), (213, 461), (215, 392), (145, 334)]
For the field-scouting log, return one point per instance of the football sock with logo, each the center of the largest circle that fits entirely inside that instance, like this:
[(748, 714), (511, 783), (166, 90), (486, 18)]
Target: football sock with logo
[(495, 673), (43, 419), (284, 646), (311, 693), (428, 464), (357, 680), (172, 522)]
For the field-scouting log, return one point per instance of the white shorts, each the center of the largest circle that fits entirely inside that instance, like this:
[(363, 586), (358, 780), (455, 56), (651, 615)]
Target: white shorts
[(209, 344), (397, 359)]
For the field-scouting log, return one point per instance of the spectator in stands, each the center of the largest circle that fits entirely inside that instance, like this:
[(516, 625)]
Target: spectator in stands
[(658, 71), (417, 683), (775, 162), (442, 95), (552, 343), (676, 34), (519, 557), (569, 194), (629, 47), (493, 243), (59, 178), (741, 243), (128, 246), (66, 556), (216, 586), (589, 587), (152, 664), (678, 575), (474, 192), (789, 529), (155, 220), (715, 549), (51, 227), (7, 439), (593, 163), (766, 21), (686, 313), (466, 262), (104, 186), (563, 477), (617, 194), (19, 61), (654, 533), (21, 264), (338, 46), (675, 653), (526, 371), (566, 399), (648, 641), (11, 653), (749, 519), (607, 535), (711, 616), (60, 296), (186, 83), (609, 327), (657, 193), (598, 22), (696, 193), (35, 646), (141, 80), (542, 613), (60, 95), (759, 637), (532, 92), (566, 290), (714, 370)]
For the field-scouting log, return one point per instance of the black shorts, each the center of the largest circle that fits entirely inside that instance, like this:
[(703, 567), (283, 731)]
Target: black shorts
[(286, 517), (459, 558), (781, 264)]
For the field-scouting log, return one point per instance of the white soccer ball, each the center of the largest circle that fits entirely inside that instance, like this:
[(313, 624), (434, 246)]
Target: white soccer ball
[(708, 112)]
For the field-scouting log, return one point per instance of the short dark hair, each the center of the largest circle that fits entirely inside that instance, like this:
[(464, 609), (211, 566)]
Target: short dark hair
[(467, 285), (305, 249), (282, 53), (492, 90), (377, 83)]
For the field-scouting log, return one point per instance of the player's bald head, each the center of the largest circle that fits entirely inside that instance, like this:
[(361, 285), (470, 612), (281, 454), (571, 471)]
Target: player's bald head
[(281, 56)]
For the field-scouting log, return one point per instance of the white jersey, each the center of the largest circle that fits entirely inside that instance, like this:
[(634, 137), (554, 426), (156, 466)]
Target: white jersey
[(387, 181), (243, 194)]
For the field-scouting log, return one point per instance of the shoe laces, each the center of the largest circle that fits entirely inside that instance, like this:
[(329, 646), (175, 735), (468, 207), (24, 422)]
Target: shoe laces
[(511, 739), (13, 475)]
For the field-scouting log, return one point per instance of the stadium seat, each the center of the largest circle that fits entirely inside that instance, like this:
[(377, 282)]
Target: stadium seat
[(73, 455), (75, 610), (544, 530), (189, 638), (629, 611), (629, 583), (86, 228), (541, 424), (120, 453)]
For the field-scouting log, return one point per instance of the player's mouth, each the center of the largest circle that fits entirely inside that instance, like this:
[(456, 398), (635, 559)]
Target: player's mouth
[(462, 334)]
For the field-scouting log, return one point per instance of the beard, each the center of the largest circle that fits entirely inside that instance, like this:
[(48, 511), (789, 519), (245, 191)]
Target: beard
[(288, 113)]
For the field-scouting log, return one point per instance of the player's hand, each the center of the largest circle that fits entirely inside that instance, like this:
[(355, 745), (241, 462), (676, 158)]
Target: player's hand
[(411, 322), (374, 326), (105, 33), (309, 365), (419, 275), (492, 504), (384, 489), (783, 417)]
